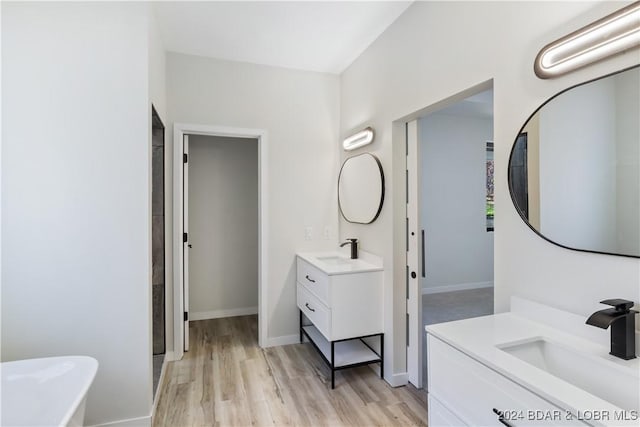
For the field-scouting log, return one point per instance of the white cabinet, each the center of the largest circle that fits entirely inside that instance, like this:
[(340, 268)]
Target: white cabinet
[(462, 391), (351, 304), (340, 310)]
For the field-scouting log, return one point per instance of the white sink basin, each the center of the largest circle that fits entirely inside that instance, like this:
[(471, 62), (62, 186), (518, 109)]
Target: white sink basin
[(603, 378), (335, 260)]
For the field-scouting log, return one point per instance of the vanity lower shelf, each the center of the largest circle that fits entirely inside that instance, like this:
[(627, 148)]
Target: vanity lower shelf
[(343, 354)]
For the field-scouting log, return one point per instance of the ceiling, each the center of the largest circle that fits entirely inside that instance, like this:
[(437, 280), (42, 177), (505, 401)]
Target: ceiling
[(324, 36), (478, 106)]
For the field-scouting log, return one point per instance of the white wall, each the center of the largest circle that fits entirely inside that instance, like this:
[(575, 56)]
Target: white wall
[(628, 162), (458, 248), (76, 194), (299, 110), (158, 96), (157, 68), (577, 167), (435, 50), (223, 226)]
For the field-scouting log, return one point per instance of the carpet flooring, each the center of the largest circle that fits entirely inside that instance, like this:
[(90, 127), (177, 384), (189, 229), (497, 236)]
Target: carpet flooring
[(450, 306)]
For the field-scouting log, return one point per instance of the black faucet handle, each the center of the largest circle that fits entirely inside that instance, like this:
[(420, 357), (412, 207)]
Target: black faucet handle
[(621, 305), (352, 239)]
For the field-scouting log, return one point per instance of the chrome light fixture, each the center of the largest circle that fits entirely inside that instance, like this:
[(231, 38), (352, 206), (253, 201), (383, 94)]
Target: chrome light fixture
[(358, 140), (605, 37)]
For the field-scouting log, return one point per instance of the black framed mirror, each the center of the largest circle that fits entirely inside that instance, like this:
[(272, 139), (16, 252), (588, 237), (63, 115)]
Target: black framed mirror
[(361, 189), (574, 169)]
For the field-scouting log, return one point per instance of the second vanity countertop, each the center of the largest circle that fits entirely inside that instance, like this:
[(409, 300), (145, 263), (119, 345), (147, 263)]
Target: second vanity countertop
[(481, 337), (338, 262)]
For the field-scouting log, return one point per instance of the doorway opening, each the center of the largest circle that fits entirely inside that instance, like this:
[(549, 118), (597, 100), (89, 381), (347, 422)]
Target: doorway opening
[(158, 247), (223, 226), (220, 226), (450, 215)]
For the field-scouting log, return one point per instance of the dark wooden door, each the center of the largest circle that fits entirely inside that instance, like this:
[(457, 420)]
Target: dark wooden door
[(518, 175)]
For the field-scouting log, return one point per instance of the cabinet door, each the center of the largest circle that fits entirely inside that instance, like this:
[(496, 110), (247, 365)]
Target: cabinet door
[(356, 305), (474, 392)]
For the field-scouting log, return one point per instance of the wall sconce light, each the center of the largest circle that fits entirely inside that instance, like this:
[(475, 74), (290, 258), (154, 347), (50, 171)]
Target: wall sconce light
[(358, 140), (605, 37)]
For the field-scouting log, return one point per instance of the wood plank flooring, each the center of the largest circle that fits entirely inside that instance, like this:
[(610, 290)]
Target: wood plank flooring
[(227, 380)]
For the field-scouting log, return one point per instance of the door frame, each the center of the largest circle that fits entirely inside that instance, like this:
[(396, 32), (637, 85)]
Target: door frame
[(413, 327), (179, 130), (415, 254)]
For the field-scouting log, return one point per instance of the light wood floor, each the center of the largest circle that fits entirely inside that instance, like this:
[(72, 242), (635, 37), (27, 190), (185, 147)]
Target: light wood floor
[(227, 380)]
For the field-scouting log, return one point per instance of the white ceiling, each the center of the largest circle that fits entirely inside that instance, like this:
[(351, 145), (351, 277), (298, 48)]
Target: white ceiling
[(479, 106), (308, 35)]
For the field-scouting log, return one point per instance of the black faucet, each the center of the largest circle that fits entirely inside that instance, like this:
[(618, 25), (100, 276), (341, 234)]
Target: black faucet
[(623, 326), (354, 247)]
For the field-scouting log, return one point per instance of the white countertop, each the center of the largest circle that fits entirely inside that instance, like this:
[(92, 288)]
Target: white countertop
[(365, 262), (478, 338)]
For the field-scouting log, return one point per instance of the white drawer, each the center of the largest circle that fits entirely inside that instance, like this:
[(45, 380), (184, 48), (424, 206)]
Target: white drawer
[(314, 279), (472, 390), (441, 416), (317, 312)]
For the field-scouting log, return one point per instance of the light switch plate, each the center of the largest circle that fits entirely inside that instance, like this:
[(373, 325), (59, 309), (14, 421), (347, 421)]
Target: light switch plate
[(308, 231)]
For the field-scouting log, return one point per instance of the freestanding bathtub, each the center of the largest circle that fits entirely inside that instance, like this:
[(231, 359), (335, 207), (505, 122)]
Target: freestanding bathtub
[(45, 392)]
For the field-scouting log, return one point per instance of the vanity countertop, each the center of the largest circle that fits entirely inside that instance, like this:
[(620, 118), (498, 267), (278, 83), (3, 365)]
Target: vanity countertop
[(338, 262), (481, 337)]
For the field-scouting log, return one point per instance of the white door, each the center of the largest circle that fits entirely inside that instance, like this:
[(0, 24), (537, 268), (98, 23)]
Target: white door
[(414, 236), (186, 239)]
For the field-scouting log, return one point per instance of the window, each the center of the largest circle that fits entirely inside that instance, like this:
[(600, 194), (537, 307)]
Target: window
[(489, 207)]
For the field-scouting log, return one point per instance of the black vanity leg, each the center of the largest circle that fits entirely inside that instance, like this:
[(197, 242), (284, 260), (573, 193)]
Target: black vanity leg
[(300, 325), (333, 371), (382, 356)]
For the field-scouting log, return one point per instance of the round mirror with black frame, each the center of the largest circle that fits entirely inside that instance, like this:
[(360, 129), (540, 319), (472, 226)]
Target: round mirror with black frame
[(574, 169), (361, 189)]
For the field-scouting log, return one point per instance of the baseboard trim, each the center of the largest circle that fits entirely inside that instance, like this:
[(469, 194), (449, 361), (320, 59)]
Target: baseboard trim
[(216, 314), (457, 287), (398, 380), (283, 340), (169, 356), (163, 370), (130, 422)]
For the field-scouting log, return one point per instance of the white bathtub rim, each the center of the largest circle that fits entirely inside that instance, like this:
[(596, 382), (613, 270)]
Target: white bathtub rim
[(91, 366)]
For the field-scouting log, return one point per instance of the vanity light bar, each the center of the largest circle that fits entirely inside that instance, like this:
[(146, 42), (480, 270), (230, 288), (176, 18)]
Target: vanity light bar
[(605, 37), (359, 139)]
